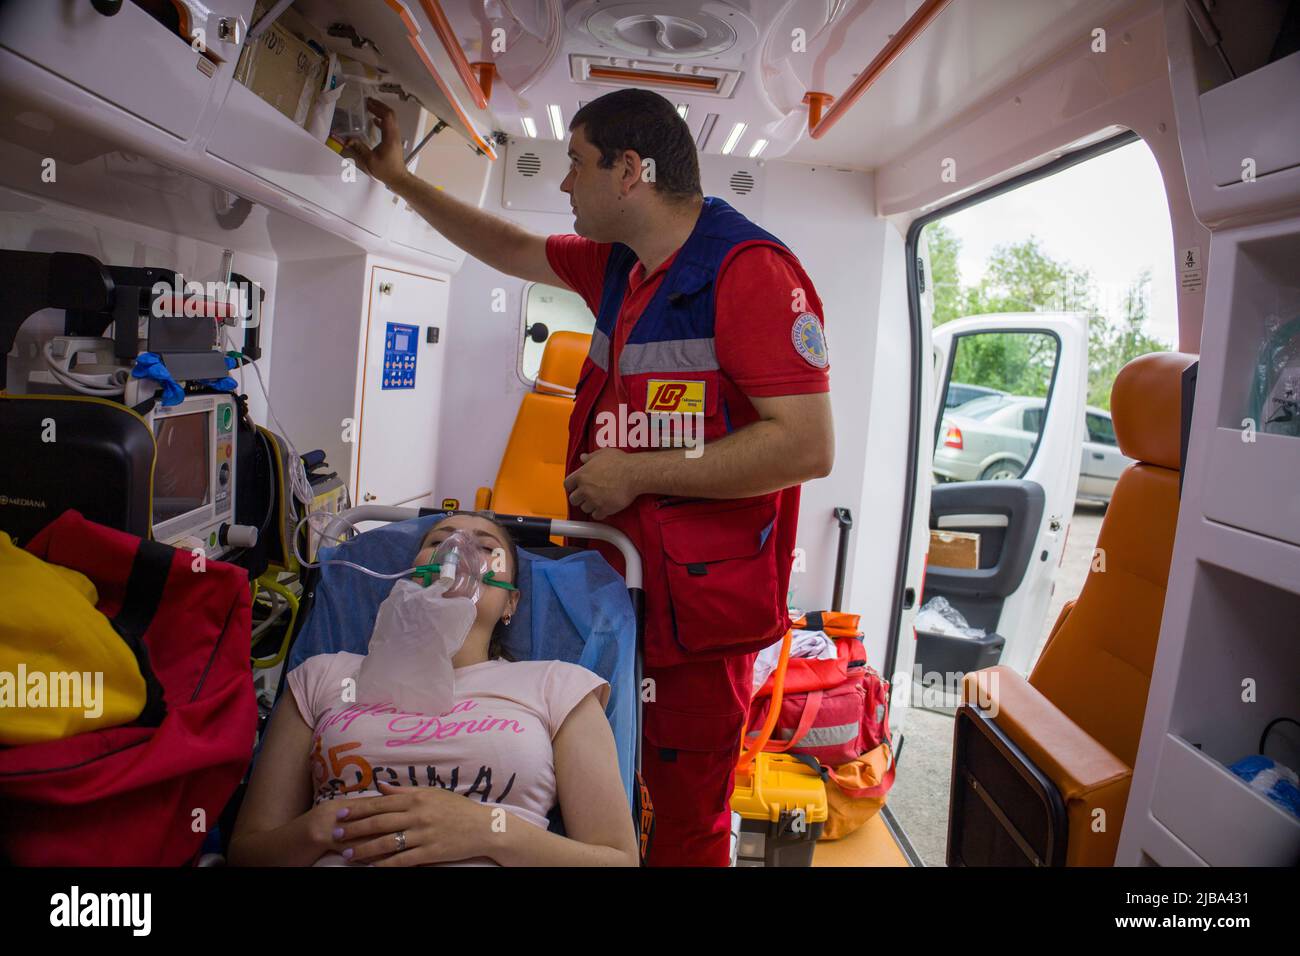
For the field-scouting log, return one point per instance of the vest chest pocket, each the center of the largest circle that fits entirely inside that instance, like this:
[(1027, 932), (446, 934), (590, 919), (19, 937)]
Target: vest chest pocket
[(722, 576)]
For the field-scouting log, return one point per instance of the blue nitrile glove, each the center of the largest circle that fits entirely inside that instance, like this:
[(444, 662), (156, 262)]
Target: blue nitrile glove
[(150, 365), (226, 384)]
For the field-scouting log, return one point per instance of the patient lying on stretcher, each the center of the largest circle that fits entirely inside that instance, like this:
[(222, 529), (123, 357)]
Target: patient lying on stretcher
[(343, 783)]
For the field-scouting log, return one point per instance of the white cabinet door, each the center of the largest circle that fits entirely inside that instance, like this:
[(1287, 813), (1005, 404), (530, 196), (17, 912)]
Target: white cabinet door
[(401, 388), (129, 58)]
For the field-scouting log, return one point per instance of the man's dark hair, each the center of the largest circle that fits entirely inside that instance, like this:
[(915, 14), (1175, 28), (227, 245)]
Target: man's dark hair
[(650, 126)]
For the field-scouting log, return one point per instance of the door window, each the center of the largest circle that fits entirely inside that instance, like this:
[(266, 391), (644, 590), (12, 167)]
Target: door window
[(1100, 429), (998, 389), (547, 310)]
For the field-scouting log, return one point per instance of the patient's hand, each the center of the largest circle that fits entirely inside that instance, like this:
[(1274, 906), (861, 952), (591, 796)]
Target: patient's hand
[(440, 825)]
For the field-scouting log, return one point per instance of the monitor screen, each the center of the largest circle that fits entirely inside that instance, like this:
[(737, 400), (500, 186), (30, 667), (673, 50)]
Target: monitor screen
[(182, 472), (403, 342)]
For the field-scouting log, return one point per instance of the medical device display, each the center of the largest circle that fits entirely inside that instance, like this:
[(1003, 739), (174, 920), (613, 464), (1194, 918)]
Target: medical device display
[(193, 485)]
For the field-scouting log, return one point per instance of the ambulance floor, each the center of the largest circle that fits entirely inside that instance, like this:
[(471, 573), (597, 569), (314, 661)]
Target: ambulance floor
[(869, 845)]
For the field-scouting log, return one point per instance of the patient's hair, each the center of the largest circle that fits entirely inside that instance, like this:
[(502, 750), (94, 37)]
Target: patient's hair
[(496, 643)]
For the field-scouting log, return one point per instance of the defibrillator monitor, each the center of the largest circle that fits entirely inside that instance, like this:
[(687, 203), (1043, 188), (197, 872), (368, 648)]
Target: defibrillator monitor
[(193, 476)]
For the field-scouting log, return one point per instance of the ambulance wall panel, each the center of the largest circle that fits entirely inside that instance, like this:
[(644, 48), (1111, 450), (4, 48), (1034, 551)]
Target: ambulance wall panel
[(318, 349), (826, 216), (481, 390)]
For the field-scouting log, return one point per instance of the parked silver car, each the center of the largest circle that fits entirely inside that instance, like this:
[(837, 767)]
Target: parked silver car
[(1102, 461), (992, 438)]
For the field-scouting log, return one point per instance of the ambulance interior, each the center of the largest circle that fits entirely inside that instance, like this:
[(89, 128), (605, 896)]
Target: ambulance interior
[(1101, 736)]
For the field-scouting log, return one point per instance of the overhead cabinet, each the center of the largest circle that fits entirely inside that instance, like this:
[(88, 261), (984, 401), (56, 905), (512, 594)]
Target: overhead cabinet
[(129, 58)]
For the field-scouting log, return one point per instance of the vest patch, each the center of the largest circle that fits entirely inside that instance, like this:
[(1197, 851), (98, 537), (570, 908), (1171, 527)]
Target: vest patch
[(810, 340), (674, 396)]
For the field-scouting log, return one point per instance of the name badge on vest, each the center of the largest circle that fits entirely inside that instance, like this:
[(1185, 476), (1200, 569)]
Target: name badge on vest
[(668, 402)]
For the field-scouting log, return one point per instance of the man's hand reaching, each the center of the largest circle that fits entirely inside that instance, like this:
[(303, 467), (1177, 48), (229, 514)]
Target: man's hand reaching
[(383, 162)]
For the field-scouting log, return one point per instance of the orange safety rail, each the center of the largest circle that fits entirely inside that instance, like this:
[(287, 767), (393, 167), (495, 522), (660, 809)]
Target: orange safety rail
[(485, 72), (442, 26), (413, 37), (917, 22)]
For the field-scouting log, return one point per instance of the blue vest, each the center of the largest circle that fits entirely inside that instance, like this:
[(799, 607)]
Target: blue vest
[(715, 574), (674, 334)]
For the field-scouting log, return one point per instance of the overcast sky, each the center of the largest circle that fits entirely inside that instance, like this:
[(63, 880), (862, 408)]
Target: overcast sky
[(1108, 215)]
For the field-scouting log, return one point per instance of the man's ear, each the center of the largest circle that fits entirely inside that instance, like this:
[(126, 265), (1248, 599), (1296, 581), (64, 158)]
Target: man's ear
[(630, 171)]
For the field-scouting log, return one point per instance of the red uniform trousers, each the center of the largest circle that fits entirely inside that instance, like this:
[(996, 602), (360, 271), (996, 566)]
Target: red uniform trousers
[(692, 729)]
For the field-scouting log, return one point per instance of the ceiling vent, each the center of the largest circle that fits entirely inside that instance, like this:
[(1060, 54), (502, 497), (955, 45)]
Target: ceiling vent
[(742, 182), (695, 79), (528, 164), (669, 29)]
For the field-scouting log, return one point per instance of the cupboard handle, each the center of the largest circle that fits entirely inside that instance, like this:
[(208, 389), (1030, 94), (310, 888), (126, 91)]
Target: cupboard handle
[(109, 8)]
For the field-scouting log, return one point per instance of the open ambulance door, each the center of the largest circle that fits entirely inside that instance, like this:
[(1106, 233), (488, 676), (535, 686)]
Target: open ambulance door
[(1005, 431)]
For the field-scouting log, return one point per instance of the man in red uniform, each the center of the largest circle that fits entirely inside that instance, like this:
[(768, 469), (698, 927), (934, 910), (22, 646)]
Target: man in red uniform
[(705, 320)]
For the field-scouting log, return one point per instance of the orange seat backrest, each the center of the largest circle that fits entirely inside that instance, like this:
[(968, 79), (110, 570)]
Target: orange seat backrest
[(1096, 666), (531, 478)]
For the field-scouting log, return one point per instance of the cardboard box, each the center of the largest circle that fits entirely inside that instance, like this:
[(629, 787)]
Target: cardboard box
[(955, 549), (283, 70)]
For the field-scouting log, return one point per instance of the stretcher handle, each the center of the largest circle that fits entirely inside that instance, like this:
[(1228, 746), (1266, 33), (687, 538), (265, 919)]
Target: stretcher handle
[(773, 711)]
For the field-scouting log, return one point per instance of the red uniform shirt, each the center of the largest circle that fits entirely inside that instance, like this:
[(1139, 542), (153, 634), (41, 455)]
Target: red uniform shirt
[(755, 316)]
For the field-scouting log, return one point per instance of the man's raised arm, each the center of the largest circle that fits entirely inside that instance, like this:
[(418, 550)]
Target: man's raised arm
[(494, 241)]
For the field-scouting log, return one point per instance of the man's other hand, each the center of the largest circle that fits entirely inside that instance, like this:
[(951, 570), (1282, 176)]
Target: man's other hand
[(384, 162), (603, 484)]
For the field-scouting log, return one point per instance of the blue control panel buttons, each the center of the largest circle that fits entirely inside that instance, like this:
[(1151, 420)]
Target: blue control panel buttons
[(400, 343)]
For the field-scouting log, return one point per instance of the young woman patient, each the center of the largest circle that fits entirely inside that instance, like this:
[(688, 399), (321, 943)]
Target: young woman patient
[(340, 783)]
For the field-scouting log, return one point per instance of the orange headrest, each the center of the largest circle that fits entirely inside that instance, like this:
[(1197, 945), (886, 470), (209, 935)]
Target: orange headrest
[(1146, 406), (561, 363)]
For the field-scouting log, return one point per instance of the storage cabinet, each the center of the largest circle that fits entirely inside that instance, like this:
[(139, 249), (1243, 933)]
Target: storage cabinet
[(253, 135), (129, 59), (397, 440), (1240, 136), (1228, 658), (333, 383)]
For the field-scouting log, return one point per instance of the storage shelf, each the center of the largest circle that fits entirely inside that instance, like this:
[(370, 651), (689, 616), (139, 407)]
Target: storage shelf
[(1217, 814), (1273, 562), (1241, 476)]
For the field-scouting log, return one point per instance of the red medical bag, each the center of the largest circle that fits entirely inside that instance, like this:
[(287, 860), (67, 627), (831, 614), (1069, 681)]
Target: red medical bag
[(833, 710), (144, 793)]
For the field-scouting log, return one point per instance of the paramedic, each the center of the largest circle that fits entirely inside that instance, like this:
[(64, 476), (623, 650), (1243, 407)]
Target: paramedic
[(702, 319)]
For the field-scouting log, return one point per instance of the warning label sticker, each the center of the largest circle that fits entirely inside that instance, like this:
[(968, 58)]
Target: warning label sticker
[(1191, 276)]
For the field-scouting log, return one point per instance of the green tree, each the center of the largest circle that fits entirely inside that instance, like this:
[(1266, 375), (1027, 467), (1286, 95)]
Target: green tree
[(1112, 345), (946, 279), (1023, 277)]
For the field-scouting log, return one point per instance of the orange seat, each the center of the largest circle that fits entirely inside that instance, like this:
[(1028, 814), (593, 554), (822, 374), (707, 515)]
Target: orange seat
[(1077, 720), (531, 478)]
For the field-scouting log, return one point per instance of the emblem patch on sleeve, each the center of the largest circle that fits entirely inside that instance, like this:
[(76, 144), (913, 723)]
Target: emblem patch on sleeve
[(810, 340)]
